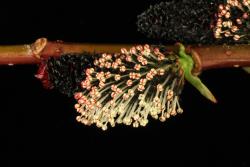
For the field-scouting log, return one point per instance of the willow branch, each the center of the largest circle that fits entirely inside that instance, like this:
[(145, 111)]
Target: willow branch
[(206, 57)]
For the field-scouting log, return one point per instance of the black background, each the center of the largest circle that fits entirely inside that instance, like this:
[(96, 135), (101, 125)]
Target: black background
[(38, 126)]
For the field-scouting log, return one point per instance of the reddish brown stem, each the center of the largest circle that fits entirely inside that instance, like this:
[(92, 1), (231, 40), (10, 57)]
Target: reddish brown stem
[(206, 57), (221, 56), (42, 49)]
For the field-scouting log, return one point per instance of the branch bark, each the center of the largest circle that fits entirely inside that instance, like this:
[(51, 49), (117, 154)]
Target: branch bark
[(205, 57)]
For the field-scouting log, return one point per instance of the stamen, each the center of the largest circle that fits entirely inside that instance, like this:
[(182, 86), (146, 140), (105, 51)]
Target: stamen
[(233, 26), (128, 87)]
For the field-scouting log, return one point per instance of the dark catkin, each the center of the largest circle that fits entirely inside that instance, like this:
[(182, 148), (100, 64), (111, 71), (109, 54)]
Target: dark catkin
[(67, 71), (186, 21)]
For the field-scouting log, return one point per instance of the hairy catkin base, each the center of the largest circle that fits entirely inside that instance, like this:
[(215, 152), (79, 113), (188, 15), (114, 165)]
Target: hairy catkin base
[(67, 71), (185, 21)]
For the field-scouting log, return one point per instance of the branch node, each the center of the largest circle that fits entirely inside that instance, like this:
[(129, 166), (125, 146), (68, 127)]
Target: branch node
[(197, 69), (38, 46), (197, 63)]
